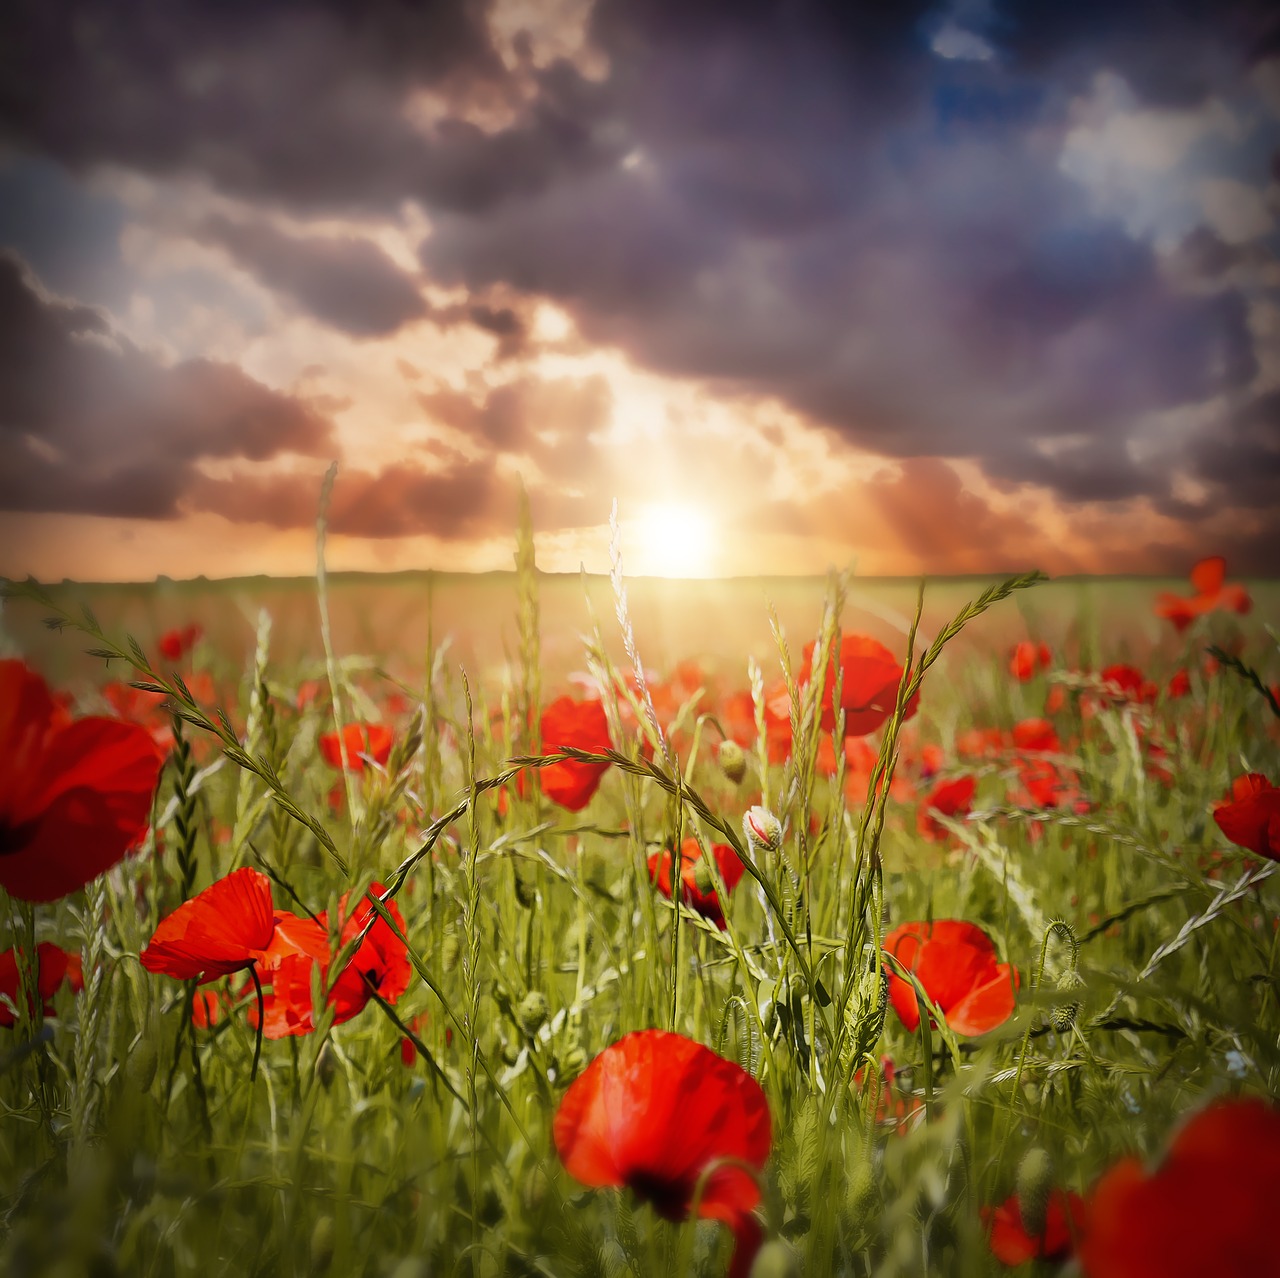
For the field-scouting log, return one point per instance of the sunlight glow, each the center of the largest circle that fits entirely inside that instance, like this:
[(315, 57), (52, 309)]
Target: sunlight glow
[(672, 540)]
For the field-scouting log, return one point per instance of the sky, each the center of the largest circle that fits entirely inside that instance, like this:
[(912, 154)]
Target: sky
[(959, 288)]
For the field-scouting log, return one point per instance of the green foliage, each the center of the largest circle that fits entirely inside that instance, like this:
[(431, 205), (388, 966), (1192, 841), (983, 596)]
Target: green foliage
[(135, 1142)]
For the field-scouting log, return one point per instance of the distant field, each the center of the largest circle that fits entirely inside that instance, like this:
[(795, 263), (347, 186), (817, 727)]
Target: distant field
[(721, 622)]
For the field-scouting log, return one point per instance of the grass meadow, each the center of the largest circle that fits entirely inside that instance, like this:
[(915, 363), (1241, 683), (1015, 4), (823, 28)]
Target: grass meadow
[(416, 1137)]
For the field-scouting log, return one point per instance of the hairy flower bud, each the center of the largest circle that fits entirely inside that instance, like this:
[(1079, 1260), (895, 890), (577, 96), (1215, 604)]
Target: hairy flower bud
[(762, 828), (1064, 1014), (533, 1012), (733, 762), (1034, 1183)]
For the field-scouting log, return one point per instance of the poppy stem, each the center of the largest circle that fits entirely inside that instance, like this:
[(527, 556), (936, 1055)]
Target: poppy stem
[(257, 1041)]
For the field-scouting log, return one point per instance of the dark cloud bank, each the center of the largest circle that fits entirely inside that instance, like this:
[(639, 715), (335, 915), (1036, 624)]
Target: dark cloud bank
[(793, 200)]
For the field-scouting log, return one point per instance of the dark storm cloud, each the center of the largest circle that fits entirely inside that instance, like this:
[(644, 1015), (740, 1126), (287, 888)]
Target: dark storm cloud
[(816, 208), (91, 424), (1243, 461), (346, 282), (297, 102), (794, 200)]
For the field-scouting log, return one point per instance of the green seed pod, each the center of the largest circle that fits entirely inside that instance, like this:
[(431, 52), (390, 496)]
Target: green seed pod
[(450, 951), (322, 1245), (1064, 1014), (776, 1259), (140, 1070), (533, 1012), (1034, 1183), (733, 762)]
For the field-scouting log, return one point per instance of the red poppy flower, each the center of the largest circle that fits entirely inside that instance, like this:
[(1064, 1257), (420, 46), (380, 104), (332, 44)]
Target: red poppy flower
[(932, 760), (956, 964), (1027, 658), (175, 644), (582, 725), (948, 798), (1179, 683), (1209, 579), (1209, 1208), (699, 892), (224, 929), (1251, 817), (361, 739), (408, 1050), (1036, 734), (381, 963), (1128, 683), (206, 1009), (654, 1112), (976, 743), (54, 965), (74, 795), (869, 685), (1011, 1244)]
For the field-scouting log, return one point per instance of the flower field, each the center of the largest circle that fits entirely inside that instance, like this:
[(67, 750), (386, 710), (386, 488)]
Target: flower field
[(932, 945)]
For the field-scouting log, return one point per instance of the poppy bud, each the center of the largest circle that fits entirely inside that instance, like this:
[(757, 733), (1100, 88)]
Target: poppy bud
[(533, 1012), (762, 828), (326, 1066), (526, 887), (733, 762), (1064, 1014), (862, 1196), (776, 1259), (1034, 1182), (411, 1267), (141, 1069), (450, 951), (322, 1245)]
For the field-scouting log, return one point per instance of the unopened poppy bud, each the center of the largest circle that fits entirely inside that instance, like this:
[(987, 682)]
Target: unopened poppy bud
[(450, 951), (862, 1195), (1034, 1183), (762, 828), (533, 1012), (1064, 1014), (322, 1245), (411, 1267), (326, 1066), (526, 887), (141, 1069), (776, 1259), (733, 762)]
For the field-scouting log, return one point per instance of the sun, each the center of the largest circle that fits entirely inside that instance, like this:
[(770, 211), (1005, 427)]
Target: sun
[(671, 540)]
